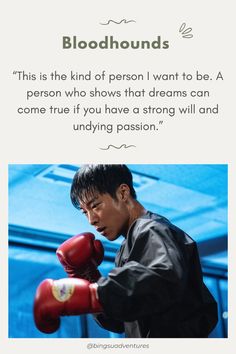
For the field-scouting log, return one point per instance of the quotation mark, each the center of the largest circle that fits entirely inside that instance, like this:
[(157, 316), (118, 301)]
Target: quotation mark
[(186, 32)]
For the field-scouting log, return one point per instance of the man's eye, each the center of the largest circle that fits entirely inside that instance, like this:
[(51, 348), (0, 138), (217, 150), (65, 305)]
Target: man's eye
[(95, 205), (84, 212)]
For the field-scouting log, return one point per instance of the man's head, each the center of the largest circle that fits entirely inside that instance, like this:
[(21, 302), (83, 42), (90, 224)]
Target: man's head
[(106, 195), (93, 179)]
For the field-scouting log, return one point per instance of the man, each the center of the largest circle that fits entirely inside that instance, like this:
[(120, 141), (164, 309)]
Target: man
[(155, 290)]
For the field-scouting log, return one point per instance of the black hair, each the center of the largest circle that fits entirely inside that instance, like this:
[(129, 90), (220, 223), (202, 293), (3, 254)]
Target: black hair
[(92, 179)]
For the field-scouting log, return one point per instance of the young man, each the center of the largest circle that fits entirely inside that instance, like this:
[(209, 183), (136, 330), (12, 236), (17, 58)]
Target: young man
[(156, 289)]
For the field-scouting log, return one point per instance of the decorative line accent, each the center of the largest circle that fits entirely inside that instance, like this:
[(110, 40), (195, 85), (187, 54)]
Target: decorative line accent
[(117, 23), (117, 147), (185, 31)]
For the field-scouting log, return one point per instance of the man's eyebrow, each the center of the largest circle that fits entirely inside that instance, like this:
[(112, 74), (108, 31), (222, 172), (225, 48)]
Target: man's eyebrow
[(89, 202)]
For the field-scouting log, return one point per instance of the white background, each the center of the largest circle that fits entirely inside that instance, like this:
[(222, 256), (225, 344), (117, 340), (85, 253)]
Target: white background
[(31, 40)]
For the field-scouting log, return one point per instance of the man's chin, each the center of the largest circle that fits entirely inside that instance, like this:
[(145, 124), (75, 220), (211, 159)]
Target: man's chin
[(111, 237)]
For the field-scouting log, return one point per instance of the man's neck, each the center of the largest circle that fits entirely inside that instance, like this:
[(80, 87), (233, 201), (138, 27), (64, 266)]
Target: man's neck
[(136, 210)]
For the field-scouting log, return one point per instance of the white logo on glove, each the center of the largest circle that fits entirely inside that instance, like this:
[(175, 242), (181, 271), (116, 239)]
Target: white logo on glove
[(62, 289)]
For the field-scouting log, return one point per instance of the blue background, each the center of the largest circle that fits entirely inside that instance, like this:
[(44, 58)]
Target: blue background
[(41, 217)]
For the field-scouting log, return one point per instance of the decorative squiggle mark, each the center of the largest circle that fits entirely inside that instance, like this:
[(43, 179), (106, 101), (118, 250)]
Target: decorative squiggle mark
[(117, 147), (185, 31), (117, 23)]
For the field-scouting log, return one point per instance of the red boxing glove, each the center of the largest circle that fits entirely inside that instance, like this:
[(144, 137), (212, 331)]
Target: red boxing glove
[(63, 297), (80, 256)]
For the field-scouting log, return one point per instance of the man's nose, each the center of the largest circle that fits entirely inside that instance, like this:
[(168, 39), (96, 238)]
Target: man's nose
[(92, 218)]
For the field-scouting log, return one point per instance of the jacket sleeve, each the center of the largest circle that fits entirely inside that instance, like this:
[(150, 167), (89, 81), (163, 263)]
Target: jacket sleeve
[(151, 280), (109, 323)]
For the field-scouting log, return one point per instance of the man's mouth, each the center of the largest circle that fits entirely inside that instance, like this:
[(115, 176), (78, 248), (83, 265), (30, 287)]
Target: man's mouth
[(101, 230)]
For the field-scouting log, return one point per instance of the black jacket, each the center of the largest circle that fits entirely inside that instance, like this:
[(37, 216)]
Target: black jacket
[(156, 289)]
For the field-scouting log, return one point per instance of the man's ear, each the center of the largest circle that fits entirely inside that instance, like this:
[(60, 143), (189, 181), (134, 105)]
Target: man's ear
[(123, 192)]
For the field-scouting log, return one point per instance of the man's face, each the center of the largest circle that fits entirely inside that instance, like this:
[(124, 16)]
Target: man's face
[(109, 216)]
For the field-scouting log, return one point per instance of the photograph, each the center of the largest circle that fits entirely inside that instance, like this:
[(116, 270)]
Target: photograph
[(118, 251)]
